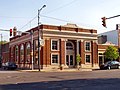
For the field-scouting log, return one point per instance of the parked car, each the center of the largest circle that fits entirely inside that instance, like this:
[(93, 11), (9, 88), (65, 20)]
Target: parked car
[(9, 66), (111, 65)]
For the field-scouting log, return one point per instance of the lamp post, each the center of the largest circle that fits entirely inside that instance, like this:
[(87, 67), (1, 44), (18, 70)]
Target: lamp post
[(39, 37)]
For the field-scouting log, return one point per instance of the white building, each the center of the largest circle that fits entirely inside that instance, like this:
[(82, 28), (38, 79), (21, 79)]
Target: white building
[(111, 37)]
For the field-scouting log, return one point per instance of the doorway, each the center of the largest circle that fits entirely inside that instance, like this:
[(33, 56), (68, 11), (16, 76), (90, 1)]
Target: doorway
[(70, 54), (69, 60)]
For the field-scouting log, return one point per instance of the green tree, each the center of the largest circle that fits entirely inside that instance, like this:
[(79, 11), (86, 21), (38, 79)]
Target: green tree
[(111, 53), (3, 42), (78, 60)]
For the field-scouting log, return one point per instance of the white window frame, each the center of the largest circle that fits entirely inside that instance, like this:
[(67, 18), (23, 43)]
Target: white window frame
[(57, 44), (90, 46), (85, 58), (51, 58)]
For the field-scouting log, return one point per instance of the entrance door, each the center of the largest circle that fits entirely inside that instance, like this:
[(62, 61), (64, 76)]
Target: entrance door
[(70, 54), (70, 60), (101, 61)]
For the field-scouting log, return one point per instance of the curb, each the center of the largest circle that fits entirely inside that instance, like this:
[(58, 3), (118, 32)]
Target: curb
[(64, 70)]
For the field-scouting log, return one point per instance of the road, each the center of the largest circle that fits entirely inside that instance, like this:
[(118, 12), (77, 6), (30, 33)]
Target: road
[(89, 80)]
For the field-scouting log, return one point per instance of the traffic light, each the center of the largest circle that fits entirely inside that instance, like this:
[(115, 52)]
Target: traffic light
[(104, 21), (14, 31), (10, 32)]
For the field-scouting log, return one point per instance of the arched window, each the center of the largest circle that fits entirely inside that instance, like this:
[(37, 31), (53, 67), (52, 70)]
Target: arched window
[(69, 45), (28, 52), (22, 53), (16, 54)]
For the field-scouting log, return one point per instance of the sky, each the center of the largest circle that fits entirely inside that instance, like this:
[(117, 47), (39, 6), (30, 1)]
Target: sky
[(85, 13)]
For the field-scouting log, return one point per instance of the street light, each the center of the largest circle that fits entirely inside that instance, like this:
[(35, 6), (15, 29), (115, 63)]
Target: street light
[(39, 36)]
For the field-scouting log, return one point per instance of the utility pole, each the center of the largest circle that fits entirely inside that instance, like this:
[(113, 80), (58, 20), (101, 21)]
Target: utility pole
[(39, 37), (31, 34)]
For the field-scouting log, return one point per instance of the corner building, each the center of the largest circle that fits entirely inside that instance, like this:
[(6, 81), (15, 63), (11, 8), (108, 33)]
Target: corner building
[(61, 45)]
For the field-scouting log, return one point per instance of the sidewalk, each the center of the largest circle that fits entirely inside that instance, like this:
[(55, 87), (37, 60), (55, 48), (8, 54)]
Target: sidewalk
[(57, 70)]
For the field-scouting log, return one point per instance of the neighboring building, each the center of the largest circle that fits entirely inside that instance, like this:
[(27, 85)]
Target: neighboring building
[(106, 39), (110, 36), (101, 50), (62, 44), (5, 52)]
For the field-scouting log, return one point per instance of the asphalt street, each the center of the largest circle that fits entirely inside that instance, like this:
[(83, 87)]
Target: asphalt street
[(84, 80)]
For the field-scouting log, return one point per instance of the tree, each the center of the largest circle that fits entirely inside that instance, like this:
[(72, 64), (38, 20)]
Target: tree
[(111, 53), (3, 42), (78, 60)]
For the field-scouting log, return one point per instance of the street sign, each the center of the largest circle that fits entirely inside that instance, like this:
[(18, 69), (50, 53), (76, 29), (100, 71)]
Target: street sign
[(42, 42)]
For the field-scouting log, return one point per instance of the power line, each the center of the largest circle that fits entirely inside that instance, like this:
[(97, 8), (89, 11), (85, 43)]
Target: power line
[(14, 17), (54, 18), (28, 23), (87, 25), (63, 6)]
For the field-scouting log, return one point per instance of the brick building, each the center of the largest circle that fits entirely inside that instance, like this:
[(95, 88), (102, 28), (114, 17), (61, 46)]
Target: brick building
[(106, 39), (61, 45), (5, 52)]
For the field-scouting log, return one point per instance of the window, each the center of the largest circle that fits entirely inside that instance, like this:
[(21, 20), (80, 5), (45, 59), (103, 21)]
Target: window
[(16, 53), (22, 53), (54, 45), (69, 46), (28, 52), (54, 58), (87, 46), (87, 58)]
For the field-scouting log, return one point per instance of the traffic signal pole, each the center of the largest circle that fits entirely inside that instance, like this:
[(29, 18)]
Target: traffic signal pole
[(113, 17), (117, 28), (104, 19)]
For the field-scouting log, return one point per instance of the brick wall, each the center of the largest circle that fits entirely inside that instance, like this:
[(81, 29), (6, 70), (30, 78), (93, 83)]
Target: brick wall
[(62, 51)]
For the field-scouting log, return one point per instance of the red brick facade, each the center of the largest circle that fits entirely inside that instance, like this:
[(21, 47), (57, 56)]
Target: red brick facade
[(62, 44)]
